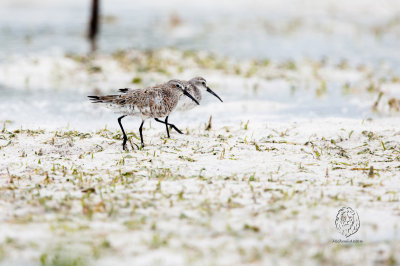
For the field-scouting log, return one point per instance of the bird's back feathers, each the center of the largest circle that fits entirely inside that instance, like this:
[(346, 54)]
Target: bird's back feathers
[(155, 101)]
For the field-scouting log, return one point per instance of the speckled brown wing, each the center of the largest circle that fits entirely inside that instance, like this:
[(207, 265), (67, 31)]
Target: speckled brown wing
[(162, 100), (156, 101), (144, 100)]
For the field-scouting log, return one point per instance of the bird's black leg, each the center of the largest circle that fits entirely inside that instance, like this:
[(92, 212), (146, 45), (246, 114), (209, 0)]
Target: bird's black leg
[(141, 135), (167, 124), (123, 132)]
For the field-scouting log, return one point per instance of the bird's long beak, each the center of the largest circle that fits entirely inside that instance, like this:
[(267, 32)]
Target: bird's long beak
[(213, 93), (190, 96)]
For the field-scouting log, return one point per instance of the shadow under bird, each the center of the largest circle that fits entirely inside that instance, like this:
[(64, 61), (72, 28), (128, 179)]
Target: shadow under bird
[(194, 86), (153, 102)]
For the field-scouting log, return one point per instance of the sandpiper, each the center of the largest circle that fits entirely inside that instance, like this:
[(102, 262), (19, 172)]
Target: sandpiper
[(152, 102), (194, 87)]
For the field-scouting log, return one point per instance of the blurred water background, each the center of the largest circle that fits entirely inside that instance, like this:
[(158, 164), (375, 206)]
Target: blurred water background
[(359, 32)]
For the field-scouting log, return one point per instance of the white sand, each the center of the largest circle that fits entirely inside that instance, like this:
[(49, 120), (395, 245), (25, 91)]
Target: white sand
[(266, 194)]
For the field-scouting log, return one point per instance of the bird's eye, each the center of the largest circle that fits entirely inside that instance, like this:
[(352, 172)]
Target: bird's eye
[(178, 86), (203, 82)]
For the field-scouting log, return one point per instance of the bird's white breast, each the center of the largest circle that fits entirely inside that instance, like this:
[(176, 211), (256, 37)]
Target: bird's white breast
[(185, 104)]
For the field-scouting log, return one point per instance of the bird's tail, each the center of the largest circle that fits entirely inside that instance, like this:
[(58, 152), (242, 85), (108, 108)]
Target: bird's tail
[(108, 98), (119, 103), (103, 99)]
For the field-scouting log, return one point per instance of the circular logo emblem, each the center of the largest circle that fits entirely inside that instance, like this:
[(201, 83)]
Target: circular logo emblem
[(347, 221)]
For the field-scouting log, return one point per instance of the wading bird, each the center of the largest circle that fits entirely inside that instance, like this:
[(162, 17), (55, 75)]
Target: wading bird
[(152, 102)]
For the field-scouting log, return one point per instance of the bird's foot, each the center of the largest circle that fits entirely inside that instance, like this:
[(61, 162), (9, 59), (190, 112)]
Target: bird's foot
[(176, 129), (124, 144)]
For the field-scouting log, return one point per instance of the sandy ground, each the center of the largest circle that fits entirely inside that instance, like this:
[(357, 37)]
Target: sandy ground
[(253, 194)]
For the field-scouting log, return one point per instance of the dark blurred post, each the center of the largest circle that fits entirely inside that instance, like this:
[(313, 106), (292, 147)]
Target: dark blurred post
[(94, 25)]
